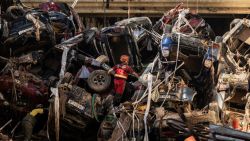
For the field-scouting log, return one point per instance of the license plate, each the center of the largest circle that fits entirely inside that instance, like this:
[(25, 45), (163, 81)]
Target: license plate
[(75, 104), (165, 96), (106, 67)]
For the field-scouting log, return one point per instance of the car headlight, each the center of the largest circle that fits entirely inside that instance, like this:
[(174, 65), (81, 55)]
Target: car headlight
[(208, 63), (165, 52)]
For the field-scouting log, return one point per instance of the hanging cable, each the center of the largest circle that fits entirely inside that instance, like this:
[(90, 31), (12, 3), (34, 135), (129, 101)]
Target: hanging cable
[(197, 6), (118, 123), (74, 4), (55, 93), (148, 106), (128, 8)]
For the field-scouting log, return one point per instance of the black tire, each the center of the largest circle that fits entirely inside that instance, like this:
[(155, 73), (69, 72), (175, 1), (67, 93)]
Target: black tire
[(15, 12), (99, 80)]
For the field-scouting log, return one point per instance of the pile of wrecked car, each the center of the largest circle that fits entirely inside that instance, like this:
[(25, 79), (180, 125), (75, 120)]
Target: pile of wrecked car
[(60, 81)]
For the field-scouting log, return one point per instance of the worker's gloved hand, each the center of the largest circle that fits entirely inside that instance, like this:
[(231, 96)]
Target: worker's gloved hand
[(111, 71)]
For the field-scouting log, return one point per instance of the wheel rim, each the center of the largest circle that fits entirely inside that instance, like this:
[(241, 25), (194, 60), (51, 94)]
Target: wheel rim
[(99, 80)]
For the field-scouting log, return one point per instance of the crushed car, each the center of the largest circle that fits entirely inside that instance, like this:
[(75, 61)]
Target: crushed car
[(233, 76), (134, 80)]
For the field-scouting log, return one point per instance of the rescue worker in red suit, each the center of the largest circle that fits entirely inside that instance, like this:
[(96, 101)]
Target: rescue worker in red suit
[(122, 71)]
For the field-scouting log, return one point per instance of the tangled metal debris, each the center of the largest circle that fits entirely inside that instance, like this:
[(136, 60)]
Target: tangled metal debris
[(59, 81)]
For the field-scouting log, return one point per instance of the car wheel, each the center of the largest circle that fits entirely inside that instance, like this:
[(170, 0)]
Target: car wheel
[(99, 80)]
